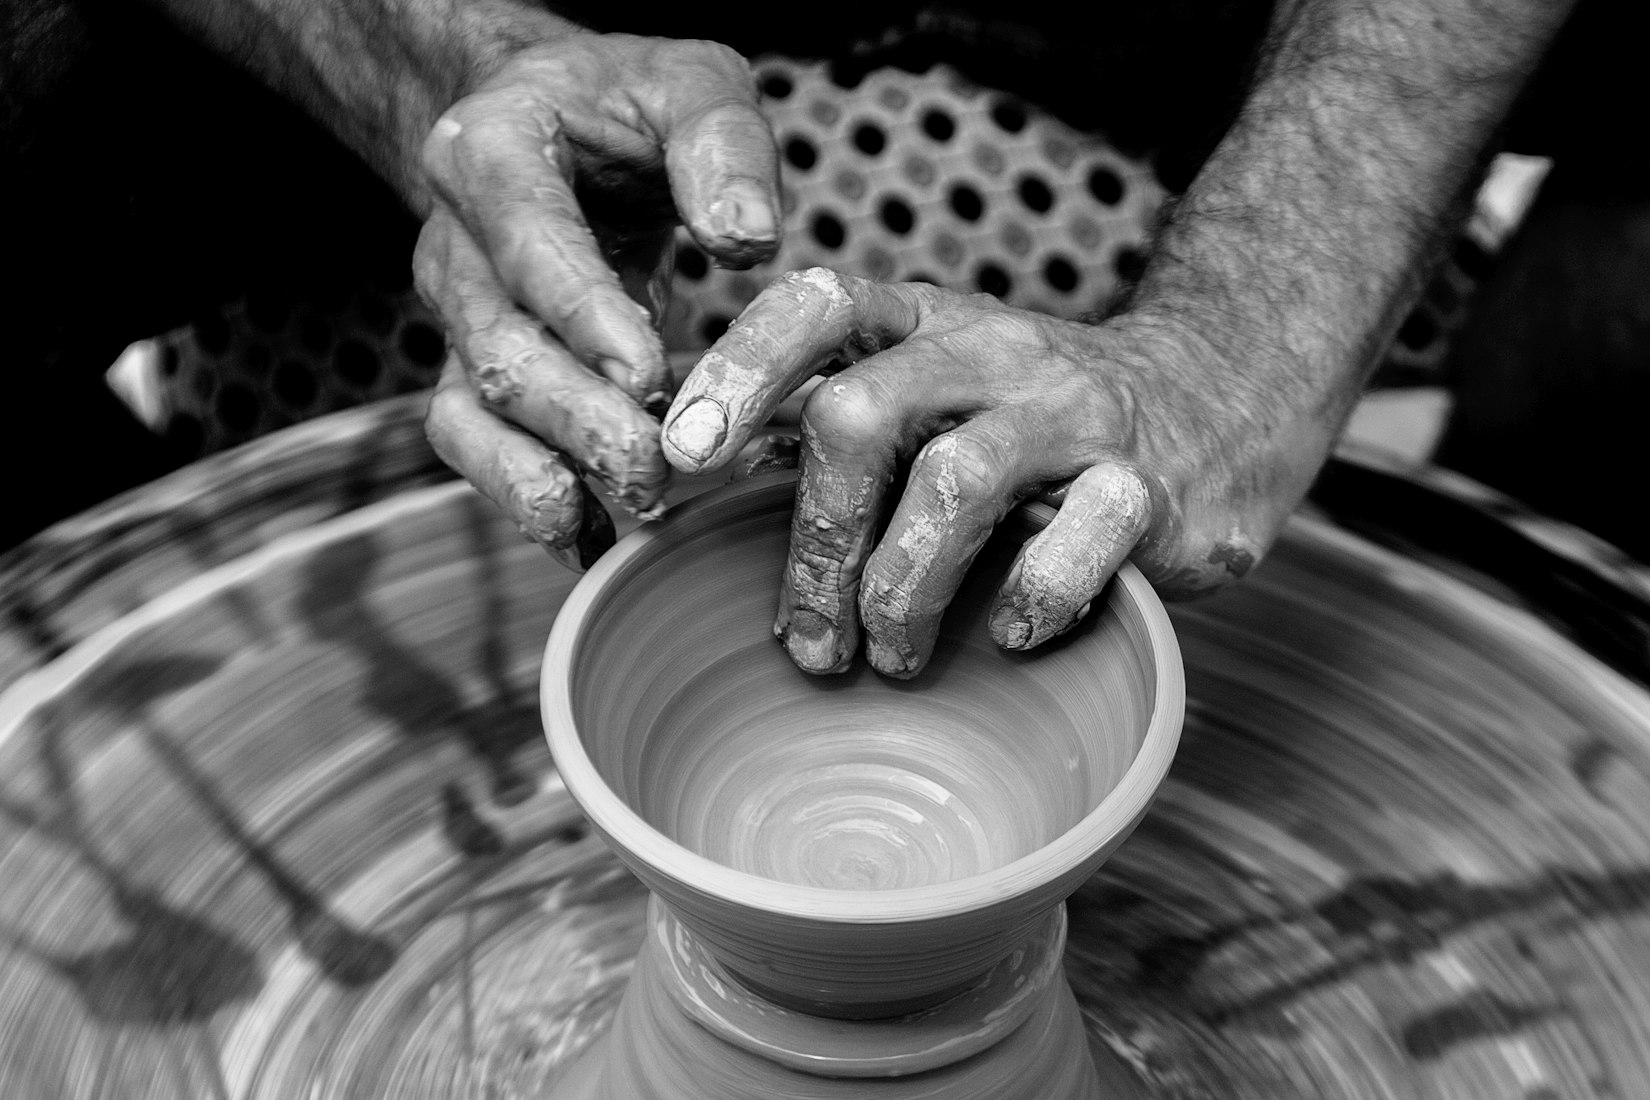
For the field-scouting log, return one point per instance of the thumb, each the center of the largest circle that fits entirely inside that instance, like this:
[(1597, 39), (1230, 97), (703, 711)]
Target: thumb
[(723, 163)]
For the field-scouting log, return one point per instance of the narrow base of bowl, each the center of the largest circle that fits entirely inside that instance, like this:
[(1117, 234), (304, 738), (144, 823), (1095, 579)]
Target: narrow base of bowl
[(687, 1030)]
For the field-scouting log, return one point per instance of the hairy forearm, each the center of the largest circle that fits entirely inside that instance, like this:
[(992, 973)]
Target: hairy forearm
[(376, 73), (1308, 234)]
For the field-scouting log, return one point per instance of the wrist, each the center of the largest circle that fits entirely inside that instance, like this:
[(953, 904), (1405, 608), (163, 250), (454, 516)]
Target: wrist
[(374, 73), (1309, 234), (1226, 433), (476, 39), (448, 50)]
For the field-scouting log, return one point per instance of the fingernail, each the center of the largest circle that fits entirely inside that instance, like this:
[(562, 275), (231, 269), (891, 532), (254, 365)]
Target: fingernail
[(813, 642), (547, 513), (656, 404), (744, 212), (890, 661), (616, 371), (642, 499), (1010, 627), (697, 432)]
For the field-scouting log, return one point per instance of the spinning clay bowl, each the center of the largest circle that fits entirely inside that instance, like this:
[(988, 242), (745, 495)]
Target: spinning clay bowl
[(854, 846)]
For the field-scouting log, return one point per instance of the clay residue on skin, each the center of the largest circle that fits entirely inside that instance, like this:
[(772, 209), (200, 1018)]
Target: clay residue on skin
[(889, 643), (765, 454), (812, 640), (498, 381), (697, 433), (853, 556), (1051, 586), (1233, 555), (945, 481), (551, 511), (1228, 560), (813, 607), (734, 377), (742, 219), (827, 282), (618, 450), (1066, 566), (693, 437)]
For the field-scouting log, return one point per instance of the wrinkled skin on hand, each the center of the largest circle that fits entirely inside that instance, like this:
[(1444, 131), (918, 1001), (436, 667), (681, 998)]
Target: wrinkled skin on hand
[(558, 184), (1177, 458)]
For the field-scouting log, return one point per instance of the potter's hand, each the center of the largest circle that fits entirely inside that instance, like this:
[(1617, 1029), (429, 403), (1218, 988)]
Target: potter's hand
[(550, 163), (1193, 421), (988, 405), (558, 184)]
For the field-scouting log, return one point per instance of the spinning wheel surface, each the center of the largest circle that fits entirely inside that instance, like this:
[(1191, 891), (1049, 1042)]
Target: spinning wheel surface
[(289, 829)]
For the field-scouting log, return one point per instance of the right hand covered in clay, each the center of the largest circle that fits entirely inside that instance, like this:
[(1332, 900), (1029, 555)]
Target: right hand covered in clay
[(1176, 459), (1194, 420), (558, 183)]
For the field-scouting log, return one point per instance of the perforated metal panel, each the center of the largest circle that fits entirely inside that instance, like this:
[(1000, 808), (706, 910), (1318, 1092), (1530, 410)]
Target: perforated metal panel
[(263, 363), (928, 177)]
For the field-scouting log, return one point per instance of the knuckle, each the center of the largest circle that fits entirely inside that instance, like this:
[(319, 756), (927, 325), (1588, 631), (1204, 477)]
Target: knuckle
[(435, 155), (719, 57), (482, 137), (959, 466), (496, 370), (1056, 580), (816, 568), (816, 558), (810, 282), (997, 329), (445, 139), (848, 410), (1117, 495), (988, 304)]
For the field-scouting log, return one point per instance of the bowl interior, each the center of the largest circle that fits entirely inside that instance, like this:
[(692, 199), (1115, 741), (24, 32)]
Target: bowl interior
[(694, 717)]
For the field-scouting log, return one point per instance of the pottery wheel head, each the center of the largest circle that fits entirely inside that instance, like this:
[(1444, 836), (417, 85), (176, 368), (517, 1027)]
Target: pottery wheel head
[(735, 784)]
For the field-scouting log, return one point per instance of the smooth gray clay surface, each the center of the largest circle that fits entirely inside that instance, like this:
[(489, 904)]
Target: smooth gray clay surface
[(846, 847)]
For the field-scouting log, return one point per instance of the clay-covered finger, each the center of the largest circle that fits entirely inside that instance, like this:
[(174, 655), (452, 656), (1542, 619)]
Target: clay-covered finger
[(527, 480), (505, 170), (960, 486), (721, 157), (855, 429), (521, 373), (799, 323), (1060, 571)]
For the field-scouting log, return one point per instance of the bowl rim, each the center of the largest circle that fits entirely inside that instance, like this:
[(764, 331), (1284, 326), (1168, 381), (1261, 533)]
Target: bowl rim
[(640, 842)]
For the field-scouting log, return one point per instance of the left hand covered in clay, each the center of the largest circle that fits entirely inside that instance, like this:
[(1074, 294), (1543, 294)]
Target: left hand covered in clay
[(558, 184), (988, 405)]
